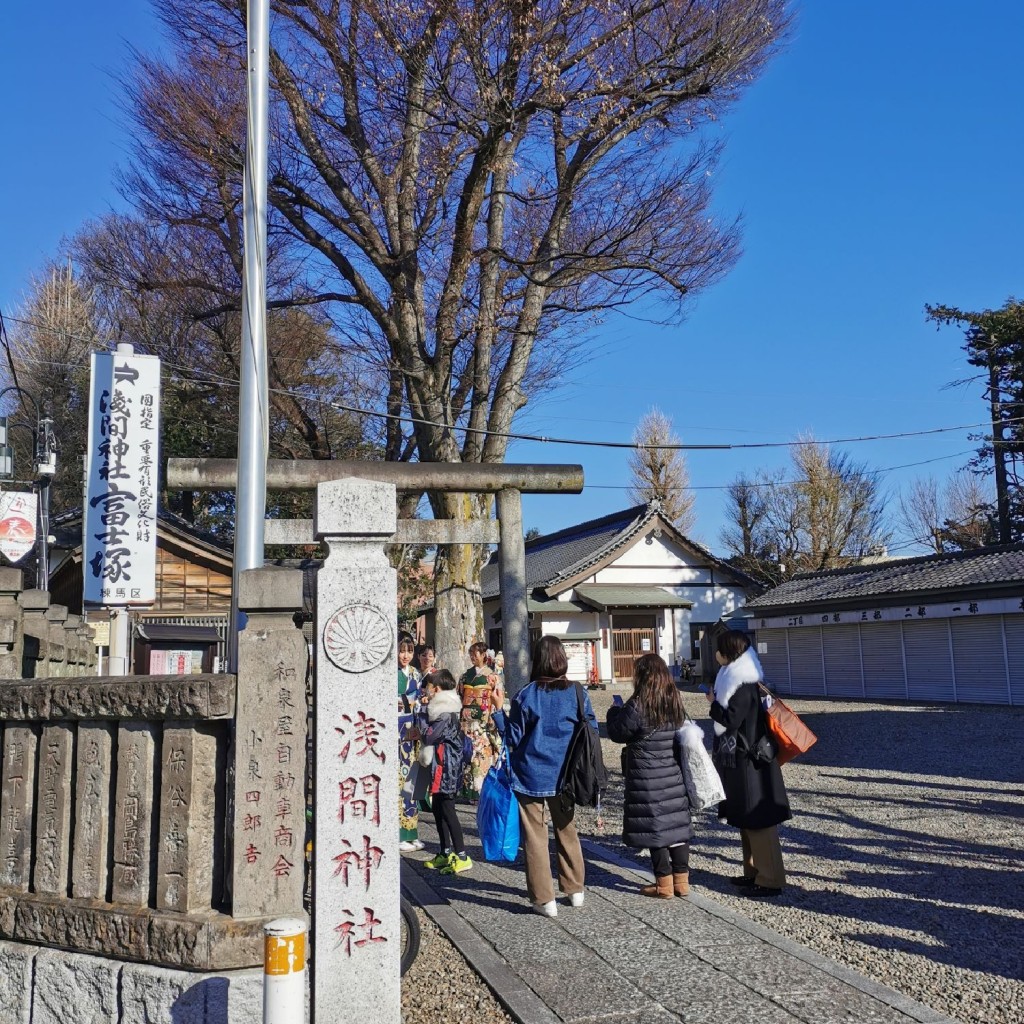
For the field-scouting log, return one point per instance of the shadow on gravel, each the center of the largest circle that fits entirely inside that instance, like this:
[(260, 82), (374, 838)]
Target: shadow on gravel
[(953, 741)]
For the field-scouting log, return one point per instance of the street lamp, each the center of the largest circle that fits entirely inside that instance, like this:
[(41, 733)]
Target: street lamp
[(44, 456)]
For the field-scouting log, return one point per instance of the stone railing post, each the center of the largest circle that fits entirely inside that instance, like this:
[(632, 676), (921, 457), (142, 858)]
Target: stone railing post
[(87, 647), (36, 628), (356, 879), (73, 645), (269, 800), (12, 636), (56, 615)]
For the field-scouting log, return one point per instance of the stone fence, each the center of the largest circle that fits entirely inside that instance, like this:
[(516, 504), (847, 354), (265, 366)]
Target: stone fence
[(160, 819), (39, 639)]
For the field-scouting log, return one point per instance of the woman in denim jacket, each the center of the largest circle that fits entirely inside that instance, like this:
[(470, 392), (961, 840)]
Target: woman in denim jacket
[(539, 726)]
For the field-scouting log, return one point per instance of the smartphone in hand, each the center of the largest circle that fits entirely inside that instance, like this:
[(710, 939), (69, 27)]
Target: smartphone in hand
[(617, 700)]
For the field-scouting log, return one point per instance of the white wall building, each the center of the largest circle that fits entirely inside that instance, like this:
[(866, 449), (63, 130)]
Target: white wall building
[(946, 628), (617, 587)]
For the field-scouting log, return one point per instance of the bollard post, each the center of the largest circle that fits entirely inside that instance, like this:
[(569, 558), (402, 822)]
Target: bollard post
[(284, 971)]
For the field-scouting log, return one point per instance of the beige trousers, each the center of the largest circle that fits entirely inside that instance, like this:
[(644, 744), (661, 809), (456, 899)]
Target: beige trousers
[(534, 829), (762, 856)]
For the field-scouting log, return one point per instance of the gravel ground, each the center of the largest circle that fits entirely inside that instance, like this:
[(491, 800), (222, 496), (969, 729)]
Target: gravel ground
[(905, 859), (441, 987), (905, 855)]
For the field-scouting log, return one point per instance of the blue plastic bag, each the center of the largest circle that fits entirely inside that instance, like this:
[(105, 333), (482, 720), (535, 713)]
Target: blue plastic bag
[(497, 814)]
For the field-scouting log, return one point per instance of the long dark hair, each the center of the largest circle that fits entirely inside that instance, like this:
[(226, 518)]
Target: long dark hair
[(655, 695), (549, 664)]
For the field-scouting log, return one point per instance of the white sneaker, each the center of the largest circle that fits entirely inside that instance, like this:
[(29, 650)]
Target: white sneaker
[(405, 846), (549, 909), (418, 844), (576, 898)]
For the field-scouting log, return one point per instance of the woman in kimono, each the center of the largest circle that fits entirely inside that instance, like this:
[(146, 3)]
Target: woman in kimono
[(482, 695), (408, 735)]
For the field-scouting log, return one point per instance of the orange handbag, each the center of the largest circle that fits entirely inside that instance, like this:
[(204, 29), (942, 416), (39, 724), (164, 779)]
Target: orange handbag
[(791, 736)]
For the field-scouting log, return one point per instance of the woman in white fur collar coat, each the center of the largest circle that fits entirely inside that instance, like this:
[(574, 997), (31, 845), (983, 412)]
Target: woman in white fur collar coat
[(755, 795)]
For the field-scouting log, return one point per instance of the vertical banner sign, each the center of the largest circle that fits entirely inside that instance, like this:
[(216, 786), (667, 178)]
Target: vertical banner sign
[(17, 524), (121, 468)]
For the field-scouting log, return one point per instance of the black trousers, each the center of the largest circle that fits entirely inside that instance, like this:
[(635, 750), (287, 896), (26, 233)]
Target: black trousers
[(669, 860), (449, 829)]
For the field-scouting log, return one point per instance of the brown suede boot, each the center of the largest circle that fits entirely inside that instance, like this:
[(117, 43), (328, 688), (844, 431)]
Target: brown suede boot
[(661, 890), (681, 883)]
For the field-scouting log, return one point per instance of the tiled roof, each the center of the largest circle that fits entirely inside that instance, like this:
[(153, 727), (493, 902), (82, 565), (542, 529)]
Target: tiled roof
[(561, 554), (611, 595), (990, 568)]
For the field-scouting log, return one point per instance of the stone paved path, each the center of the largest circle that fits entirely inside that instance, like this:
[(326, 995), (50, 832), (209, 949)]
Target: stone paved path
[(626, 959)]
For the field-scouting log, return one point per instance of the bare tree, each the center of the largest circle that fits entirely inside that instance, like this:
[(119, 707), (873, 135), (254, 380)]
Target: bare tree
[(466, 184), (958, 517), (829, 515), (920, 512), (659, 472), (748, 537), (51, 337)]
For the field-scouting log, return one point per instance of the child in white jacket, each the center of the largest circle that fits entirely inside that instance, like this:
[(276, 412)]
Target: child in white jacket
[(441, 743)]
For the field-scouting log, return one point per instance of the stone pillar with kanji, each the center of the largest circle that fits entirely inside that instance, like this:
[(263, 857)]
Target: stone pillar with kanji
[(356, 924)]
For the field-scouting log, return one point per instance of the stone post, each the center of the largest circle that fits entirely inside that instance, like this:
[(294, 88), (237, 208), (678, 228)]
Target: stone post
[(269, 804), (17, 794), (356, 881), (73, 645), (133, 813), (12, 643), (58, 654), (92, 809), (53, 810), (34, 604), (515, 616), (188, 777)]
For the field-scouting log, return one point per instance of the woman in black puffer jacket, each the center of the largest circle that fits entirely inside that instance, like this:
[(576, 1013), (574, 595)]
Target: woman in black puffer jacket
[(655, 808)]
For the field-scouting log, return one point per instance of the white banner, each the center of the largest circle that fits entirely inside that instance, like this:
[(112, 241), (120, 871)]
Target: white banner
[(119, 534), (17, 524)]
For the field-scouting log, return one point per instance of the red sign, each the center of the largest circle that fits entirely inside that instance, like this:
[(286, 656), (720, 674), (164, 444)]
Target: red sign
[(17, 524)]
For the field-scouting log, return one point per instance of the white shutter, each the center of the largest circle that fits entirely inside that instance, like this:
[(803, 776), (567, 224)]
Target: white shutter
[(805, 661), (774, 660), (841, 646), (882, 650), (929, 668), (1013, 627), (978, 659)]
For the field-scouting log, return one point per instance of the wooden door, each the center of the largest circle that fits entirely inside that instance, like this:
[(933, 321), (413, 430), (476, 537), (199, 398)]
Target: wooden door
[(628, 645)]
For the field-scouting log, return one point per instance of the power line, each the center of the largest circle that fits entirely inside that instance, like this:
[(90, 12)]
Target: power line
[(799, 442), (217, 380)]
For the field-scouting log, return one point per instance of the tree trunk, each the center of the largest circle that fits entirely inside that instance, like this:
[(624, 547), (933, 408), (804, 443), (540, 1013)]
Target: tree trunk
[(458, 608)]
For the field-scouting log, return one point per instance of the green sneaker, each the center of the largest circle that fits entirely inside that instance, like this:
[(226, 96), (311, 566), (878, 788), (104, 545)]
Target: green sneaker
[(440, 861), (456, 864)]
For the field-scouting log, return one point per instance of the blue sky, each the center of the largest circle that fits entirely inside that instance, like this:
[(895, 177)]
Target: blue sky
[(876, 167)]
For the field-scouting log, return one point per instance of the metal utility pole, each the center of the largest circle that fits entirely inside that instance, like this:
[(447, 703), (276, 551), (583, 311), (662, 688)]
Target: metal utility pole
[(253, 410)]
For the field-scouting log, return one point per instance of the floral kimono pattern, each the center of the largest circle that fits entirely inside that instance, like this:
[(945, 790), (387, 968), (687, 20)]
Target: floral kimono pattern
[(408, 811), (478, 724)]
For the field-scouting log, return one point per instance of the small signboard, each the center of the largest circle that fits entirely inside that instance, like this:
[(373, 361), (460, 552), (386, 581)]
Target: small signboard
[(17, 524), (645, 643), (121, 468)]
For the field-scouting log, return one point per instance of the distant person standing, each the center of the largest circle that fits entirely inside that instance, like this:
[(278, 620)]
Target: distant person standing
[(540, 724), (408, 705), (655, 807), (482, 695), (755, 795)]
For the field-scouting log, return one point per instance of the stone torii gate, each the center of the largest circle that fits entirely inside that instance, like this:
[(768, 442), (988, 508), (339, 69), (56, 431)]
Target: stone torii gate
[(505, 480), (356, 926)]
